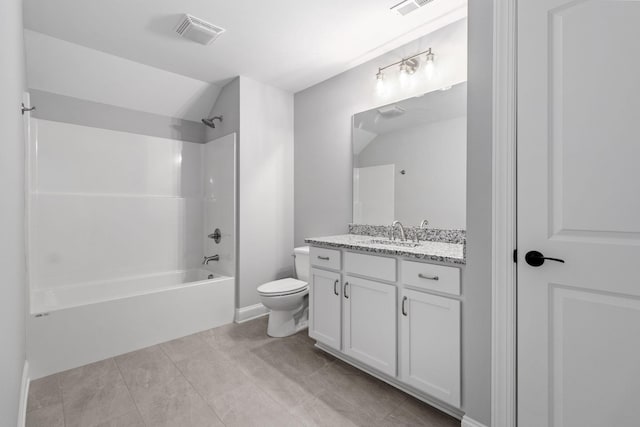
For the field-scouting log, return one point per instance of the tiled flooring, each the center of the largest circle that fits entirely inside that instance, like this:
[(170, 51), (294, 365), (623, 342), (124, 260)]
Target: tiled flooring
[(229, 376)]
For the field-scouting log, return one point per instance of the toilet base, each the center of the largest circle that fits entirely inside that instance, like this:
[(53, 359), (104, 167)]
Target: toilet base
[(284, 323)]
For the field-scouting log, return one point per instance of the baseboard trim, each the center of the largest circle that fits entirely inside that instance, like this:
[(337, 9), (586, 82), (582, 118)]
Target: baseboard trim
[(24, 395), (470, 422), (250, 312), (441, 406)]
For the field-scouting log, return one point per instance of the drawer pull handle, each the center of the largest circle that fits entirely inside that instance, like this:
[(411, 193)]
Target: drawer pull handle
[(404, 311), (346, 295), (422, 276), (335, 287), (324, 258)]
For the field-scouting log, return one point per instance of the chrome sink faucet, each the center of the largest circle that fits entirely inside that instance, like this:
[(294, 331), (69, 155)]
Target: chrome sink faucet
[(210, 258), (392, 234), (423, 226)]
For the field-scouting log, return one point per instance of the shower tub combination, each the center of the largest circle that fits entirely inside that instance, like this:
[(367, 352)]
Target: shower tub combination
[(118, 224), (75, 325)]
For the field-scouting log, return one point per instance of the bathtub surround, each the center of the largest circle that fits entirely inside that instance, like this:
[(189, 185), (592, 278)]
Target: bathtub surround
[(118, 255), (12, 248), (78, 203)]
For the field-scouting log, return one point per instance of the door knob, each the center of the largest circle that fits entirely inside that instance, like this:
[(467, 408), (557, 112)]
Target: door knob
[(536, 259)]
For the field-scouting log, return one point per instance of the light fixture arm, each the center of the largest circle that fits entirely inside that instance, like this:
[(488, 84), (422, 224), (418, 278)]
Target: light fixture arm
[(405, 60)]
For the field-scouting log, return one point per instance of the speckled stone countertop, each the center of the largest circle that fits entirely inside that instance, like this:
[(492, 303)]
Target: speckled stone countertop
[(427, 250)]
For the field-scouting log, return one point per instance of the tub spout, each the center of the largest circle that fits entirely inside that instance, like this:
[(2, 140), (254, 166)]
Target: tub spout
[(207, 259)]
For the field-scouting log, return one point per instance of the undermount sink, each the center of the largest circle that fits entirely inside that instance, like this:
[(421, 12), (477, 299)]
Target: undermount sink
[(404, 244)]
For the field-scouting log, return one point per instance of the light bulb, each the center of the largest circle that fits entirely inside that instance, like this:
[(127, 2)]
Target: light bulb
[(430, 65), (380, 86), (404, 75)]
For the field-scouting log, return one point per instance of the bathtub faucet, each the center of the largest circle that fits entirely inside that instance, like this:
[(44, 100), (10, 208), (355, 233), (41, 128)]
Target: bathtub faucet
[(210, 258)]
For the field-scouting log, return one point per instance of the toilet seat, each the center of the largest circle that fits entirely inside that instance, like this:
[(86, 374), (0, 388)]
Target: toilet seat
[(282, 287)]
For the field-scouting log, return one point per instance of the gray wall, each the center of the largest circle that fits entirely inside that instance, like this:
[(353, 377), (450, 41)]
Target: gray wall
[(226, 105), (60, 108), (323, 176), (323, 114), (12, 251), (477, 278), (434, 157), (58, 66), (265, 187), (262, 117)]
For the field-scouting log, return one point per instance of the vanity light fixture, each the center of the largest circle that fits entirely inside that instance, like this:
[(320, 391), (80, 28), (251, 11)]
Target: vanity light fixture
[(407, 67)]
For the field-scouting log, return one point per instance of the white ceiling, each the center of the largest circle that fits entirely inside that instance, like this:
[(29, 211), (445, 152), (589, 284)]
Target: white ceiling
[(290, 44)]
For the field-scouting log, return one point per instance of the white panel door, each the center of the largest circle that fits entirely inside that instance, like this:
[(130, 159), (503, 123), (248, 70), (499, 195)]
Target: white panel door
[(430, 344), (324, 307), (579, 200), (369, 323)]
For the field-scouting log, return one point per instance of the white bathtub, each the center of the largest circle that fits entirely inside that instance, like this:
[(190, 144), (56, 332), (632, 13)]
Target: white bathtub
[(75, 325)]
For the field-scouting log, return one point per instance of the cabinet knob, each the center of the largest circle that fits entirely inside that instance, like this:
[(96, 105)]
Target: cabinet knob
[(422, 276), (404, 311), (323, 258), (346, 295), (335, 287)]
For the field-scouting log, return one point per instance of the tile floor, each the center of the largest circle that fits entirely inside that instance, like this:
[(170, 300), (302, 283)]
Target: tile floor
[(234, 375)]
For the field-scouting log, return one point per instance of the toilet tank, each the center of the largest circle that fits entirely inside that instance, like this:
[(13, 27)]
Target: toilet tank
[(302, 263)]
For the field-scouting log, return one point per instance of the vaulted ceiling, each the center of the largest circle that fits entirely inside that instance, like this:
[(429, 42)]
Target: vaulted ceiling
[(290, 44)]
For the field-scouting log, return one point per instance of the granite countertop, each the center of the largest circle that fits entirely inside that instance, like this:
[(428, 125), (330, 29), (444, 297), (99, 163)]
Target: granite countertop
[(427, 250)]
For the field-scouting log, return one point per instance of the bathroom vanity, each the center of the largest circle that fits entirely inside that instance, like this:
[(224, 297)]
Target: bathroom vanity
[(388, 298), (392, 309)]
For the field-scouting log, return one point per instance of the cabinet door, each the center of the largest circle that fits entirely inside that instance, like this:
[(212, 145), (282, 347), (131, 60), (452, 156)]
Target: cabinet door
[(430, 344), (369, 325), (324, 307)]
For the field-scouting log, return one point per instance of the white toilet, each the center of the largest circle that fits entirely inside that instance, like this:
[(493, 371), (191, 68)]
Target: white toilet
[(288, 298)]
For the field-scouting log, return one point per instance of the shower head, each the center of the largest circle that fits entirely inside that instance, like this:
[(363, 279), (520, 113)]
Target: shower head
[(211, 121)]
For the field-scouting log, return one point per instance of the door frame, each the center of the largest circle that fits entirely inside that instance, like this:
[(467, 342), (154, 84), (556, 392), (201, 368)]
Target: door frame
[(504, 203)]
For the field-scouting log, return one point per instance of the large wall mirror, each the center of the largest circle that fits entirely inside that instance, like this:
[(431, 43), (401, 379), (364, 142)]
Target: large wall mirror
[(409, 161)]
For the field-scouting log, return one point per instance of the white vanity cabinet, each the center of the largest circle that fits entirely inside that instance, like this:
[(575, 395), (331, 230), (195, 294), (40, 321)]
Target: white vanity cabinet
[(430, 344), (369, 323), (397, 318), (325, 307)]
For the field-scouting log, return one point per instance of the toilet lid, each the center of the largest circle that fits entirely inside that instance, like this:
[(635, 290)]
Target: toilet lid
[(282, 287)]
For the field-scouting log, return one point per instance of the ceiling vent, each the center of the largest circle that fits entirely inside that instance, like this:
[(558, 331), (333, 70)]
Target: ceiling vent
[(391, 111), (407, 6), (199, 31)]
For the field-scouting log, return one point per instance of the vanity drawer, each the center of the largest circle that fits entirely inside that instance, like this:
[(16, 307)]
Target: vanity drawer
[(373, 266), (327, 258), (431, 277)]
